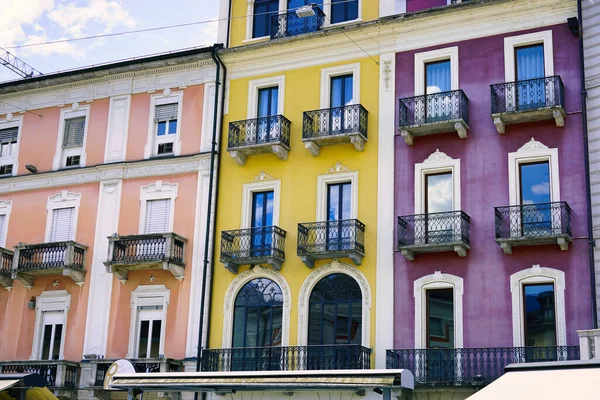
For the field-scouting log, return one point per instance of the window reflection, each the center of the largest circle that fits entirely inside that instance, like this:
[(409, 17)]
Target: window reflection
[(440, 319), (540, 316)]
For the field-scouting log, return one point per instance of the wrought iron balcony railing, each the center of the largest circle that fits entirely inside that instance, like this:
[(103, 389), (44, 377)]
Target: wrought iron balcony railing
[(63, 258), (141, 365), (259, 136), (435, 232), (528, 101), (290, 24), (156, 250), (6, 265), (331, 239), (471, 367), (286, 358), (58, 374), (264, 245), (532, 224), (335, 125), (434, 113)]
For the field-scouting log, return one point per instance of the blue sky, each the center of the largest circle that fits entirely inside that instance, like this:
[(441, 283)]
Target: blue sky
[(33, 21)]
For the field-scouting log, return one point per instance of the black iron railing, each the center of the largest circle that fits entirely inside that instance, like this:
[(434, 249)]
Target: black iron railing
[(290, 24), (259, 131), (434, 229), (253, 243), (34, 257), (529, 94), (6, 261), (58, 374), (324, 237), (335, 121), (533, 220), (159, 247), (434, 108), (287, 358), (471, 367), (140, 365)]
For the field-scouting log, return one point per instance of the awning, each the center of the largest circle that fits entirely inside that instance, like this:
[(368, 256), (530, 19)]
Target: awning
[(39, 393), (351, 380), (6, 384), (33, 384), (548, 381)]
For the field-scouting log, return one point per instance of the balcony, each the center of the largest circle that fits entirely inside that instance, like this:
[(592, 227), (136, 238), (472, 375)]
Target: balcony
[(96, 369), (287, 358), (6, 263), (259, 136), (62, 377), (331, 239), (473, 367), (533, 224), (149, 251), (290, 24), (434, 233), (58, 258), (528, 101), (434, 113), (264, 245), (331, 126)]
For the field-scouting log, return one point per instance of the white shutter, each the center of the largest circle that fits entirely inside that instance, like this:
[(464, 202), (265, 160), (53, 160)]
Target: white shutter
[(63, 221), (2, 229), (158, 216)]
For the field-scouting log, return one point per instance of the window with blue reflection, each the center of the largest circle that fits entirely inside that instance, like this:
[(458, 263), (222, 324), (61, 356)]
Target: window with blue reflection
[(440, 318), (267, 107), (264, 11), (341, 90), (166, 128), (535, 196), (343, 10), (262, 222), (340, 230), (540, 315)]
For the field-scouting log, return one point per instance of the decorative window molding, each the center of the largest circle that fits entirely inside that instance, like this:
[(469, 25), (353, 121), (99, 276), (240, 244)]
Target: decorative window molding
[(537, 274), (438, 280), (263, 184), (437, 162), (166, 97), (235, 287), (449, 53), (61, 154), (510, 43), (12, 159), (157, 191), (532, 151), (55, 300), (328, 73), (5, 210), (305, 291), (256, 84), (147, 295), (338, 174), (63, 199)]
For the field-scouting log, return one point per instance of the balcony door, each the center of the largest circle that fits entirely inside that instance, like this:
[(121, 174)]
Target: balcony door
[(53, 323), (340, 96), (439, 204), (262, 224), (534, 195), (158, 218), (62, 229), (437, 80), (340, 234), (268, 107), (149, 331), (529, 64), (539, 322), (440, 360)]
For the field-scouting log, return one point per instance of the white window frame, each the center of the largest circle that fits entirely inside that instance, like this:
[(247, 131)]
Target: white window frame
[(511, 42), (438, 280), (256, 84), (250, 21), (248, 190), (158, 190), (344, 175), (166, 97), (60, 156), (6, 210), (328, 73), (147, 295), (11, 123), (55, 300), (327, 11), (60, 200), (448, 53), (533, 275), (436, 163)]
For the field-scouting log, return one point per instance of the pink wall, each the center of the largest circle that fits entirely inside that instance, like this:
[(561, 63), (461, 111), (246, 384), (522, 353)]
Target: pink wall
[(96, 136), (418, 5), (38, 139)]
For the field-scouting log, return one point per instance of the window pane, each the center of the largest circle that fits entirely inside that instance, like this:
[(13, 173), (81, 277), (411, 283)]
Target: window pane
[(333, 202), (155, 345), (440, 318), (346, 200), (342, 331), (143, 342), (530, 62), (252, 327), (57, 339), (343, 10), (46, 341), (264, 10), (314, 324), (356, 322), (439, 193), (535, 183), (162, 128), (540, 319), (437, 77), (172, 127), (329, 316), (258, 210)]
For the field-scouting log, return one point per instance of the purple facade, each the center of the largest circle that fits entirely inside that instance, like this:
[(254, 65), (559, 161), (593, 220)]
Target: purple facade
[(418, 5), (486, 270)]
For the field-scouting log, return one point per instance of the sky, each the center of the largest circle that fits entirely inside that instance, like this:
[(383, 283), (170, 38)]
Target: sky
[(34, 21)]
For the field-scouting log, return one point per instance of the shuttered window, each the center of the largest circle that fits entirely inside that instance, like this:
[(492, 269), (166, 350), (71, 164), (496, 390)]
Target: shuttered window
[(2, 229), (158, 216), (9, 135), (166, 112), (74, 131), (63, 224)]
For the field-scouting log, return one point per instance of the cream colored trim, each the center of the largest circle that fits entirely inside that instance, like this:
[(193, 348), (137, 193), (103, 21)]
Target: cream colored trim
[(208, 116), (449, 53), (166, 97), (328, 73), (5, 209), (438, 280), (331, 178), (117, 129), (55, 300), (537, 274), (262, 186), (10, 121), (156, 191), (437, 162), (64, 199), (256, 84), (510, 43), (147, 295)]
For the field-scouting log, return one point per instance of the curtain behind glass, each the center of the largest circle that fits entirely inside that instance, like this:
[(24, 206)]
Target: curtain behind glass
[(530, 65)]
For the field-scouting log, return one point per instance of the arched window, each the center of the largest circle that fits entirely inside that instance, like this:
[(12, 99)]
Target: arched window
[(258, 313), (335, 311)]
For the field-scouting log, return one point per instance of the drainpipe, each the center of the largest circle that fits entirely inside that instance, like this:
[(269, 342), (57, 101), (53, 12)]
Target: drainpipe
[(588, 198)]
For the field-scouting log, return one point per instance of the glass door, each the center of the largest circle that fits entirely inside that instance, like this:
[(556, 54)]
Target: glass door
[(439, 204), (440, 362), (341, 118), (534, 188), (267, 109), (339, 232), (437, 80), (539, 322), (530, 65), (262, 224), (52, 334)]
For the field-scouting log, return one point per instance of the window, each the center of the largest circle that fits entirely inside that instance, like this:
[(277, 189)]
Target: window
[(149, 304), (339, 209), (529, 68), (436, 71), (149, 329), (70, 147), (264, 11), (61, 218), (262, 223), (337, 194), (63, 224), (539, 314), (261, 199), (437, 77), (528, 56), (157, 209), (271, 100), (8, 149), (437, 184), (165, 116), (440, 318), (52, 334), (343, 10), (158, 216), (267, 108), (439, 201), (50, 331)]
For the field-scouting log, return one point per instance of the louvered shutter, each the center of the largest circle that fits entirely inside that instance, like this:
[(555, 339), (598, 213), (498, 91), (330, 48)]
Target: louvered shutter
[(63, 221), (9, 135), (166, 112), (158, 216), (2, 229), (74, 130)]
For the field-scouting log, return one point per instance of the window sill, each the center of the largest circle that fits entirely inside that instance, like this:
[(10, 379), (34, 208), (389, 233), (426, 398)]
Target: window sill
[(257, 40), (338, 24)]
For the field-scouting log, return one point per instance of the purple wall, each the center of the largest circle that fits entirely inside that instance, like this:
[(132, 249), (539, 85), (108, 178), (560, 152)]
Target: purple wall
[(417, 5), (486, 269)]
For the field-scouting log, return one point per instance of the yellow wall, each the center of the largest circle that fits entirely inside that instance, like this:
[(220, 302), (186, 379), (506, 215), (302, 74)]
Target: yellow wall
[(298, 177)]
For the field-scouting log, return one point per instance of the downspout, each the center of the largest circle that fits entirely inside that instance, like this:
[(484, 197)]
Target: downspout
[(586, 155)]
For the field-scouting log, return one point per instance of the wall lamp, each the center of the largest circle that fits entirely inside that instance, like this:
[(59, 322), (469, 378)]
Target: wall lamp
[(306, 11), (573, 24), (31, 168), (31, 304)]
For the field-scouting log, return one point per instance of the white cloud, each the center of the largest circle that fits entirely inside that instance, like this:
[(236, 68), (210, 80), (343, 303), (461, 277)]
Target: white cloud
[(440, 193), (15, 15), (541, 188), (77, 20), (56, 48)]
